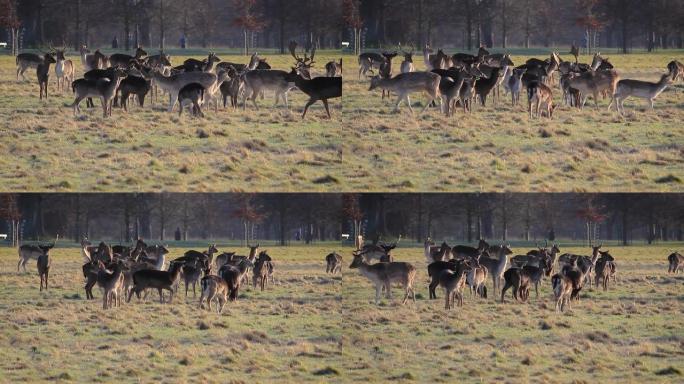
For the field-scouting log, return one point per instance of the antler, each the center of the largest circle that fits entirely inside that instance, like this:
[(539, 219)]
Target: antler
[(292, 47)]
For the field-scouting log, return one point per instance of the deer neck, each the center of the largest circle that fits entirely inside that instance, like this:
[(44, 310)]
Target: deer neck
[(503, 260)]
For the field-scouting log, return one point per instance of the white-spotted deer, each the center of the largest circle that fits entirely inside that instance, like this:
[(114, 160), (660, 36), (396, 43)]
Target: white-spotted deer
[(639, 89), (406, 83), (382, 275)]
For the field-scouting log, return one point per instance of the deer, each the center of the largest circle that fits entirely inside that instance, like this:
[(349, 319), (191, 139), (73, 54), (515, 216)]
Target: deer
[(90, 271), (148, 278), (233, 275), (112, 283), (174, 83), (406, 83), (383, 274), (443, 253), (453, 283), (232, 88), (484, 85), (640, 89), (333, 263), (562, 291), (676, 70), (536, 273), (259, 80), (514, 84), (303, 64), (192, 95), (575, 51), (43, 265), (598, 61), (593, 83), (123, 60), (475, 279), (192, 272), (520, 282), (105, 89), (213, 287), (676, 262), (450, 86), (380, 252), (134, 85), (254, 62), (435, 270), (64, 70), (25, 61), (261, 270), (205, 257), (333, 68), (604, 269), (407, 64), (540, 95), (28, 252), (43, 74), (230, 257), (92, 61), (437, 61), (369, 61), (497, 266), (319, 88)]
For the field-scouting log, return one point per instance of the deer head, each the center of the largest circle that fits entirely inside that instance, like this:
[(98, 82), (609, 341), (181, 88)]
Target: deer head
[(303, 64)]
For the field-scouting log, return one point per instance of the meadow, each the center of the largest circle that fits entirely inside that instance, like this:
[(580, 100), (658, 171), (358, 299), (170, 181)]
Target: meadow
[(46, 148), (631, 333), (499, 147), (289, 333)]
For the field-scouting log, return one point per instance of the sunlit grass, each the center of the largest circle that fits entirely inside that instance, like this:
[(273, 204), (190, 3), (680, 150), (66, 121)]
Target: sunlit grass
[(290, 332), (48, 149), (499, 148)]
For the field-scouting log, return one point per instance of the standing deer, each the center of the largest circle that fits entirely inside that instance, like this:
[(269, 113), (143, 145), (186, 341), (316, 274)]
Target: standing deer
[(333, 68), (148, 278), (43, 264), (497, 266), (64, 70), (383, 274), (319, 88), (112, 283), (562, 291), (453, 283), (406, 83), (28, 252), (676, 262), (333, 263), (123, 60), (25, 61), (540, 95), (640, 89), (369, 61), (104, 88), (191, 95), (407, 64), (302, 64), (43, 74)]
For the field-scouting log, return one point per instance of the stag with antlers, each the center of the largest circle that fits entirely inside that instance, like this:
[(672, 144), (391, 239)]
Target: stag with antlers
[(303, 64)]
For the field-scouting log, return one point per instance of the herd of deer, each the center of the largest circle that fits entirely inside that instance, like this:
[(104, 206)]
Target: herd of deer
[(122, 271), (193, 83), (452, 268), (127, 270), (463, 78)]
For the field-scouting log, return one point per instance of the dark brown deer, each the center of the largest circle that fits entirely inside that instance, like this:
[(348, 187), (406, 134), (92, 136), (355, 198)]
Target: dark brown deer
[(148, 278), (333, 263), (261, 270), (43, 74), (333, 68), (192, 95), (319, 88), (303, 64), (43, 265), (123, 60)]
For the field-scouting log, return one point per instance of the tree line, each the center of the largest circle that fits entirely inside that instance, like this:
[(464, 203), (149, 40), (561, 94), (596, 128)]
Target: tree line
[(467, 24), (163, 23)]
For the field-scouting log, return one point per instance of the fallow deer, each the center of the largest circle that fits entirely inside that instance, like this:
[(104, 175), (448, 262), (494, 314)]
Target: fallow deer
[(64, 70), (43, 74), (333, 68), (123, 60), (25, 61), (675, 262), (43, 263), (382, 275), (639, 89), (562, 291), (406, 83), (160, 280), (319, 88), (333, 263), (539, 96), (453, 283)]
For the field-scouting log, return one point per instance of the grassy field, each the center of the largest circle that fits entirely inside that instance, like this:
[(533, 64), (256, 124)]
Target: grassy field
[(499, 148), (631, 333), (289, 333), (47, 149)]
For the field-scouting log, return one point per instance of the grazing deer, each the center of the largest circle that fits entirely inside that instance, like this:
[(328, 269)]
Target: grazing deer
[(112, 283), (475, 279), (104, 88), (540, 95), (497, 266), (319, 88), (43, 264), (640, 89), (213, 287), (407, 64), (123, 60), (453, 283), (333, 263), (383, 274), (406, 83), (174, 83), (148, 278), (43, 74), (369, 61), (28, 252), (302, 64), (25, 61), (562, 291), (64, 70), (676, 262), (333, 68), (192, 95)]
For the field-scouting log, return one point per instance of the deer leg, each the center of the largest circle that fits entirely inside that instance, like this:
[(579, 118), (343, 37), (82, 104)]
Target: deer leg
[(161, 296), (378, 289), (327, 108), (308, 104), (408, 103)]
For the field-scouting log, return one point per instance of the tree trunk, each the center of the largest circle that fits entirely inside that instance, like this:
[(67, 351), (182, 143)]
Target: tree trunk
[(469, 25), (162, 217), (527, 23), (162, 31), (504, 26)]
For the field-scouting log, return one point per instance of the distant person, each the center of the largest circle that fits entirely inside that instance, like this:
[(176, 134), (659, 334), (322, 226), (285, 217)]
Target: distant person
[(552, 235), (183, 41), (298, 237), (177, 235), (115, 43)]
